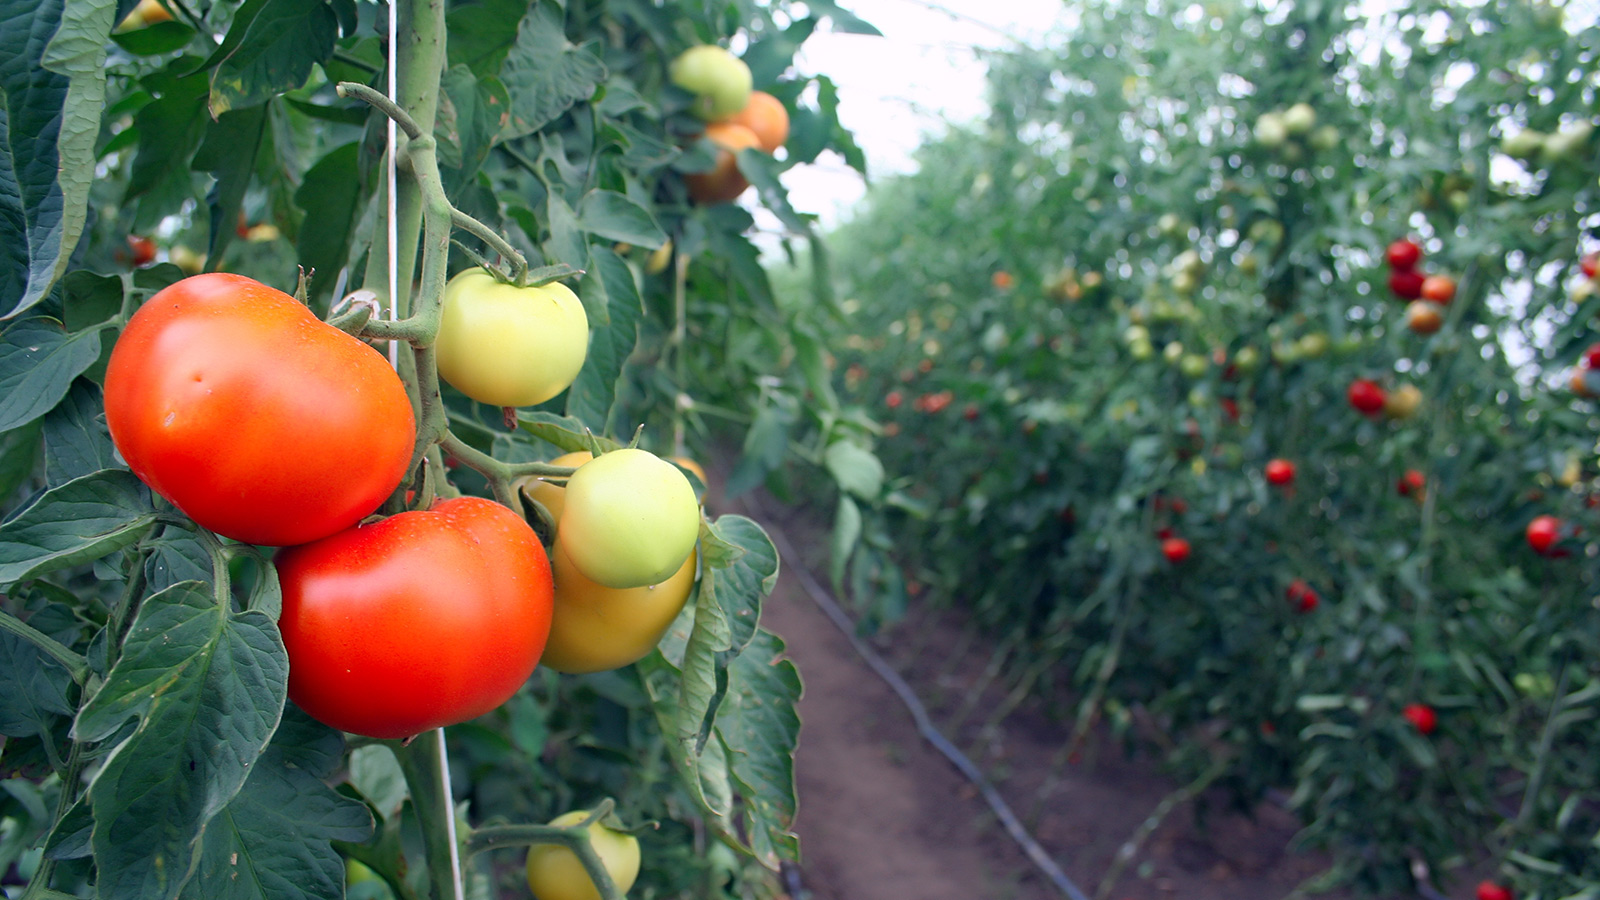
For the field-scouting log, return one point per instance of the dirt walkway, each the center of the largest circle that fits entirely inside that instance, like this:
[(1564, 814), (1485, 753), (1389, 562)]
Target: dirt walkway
[(884, 816)]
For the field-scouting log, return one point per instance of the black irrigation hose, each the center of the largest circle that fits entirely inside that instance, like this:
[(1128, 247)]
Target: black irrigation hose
[(919, 713)]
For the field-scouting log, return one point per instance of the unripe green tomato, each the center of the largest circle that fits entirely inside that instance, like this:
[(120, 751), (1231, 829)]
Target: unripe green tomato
[(510, 346), (1325, 138), (1172, 352), (1299, 118), (1184, 283), (556, 873), (1247, 360), (1270, 131), (1313, 346), (1135, 334), (719, 80), (1193, 365), (1566, 143), (631, 519), (1141, 350)]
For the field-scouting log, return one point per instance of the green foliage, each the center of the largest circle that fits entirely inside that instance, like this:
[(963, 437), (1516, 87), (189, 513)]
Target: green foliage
[(1090, 320), (147, 737)]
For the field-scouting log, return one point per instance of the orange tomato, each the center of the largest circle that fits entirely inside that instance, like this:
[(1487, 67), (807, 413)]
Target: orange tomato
[(766, 116), (724, 182)]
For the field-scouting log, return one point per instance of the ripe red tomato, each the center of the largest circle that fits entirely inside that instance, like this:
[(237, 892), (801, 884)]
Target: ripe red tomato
[(1280, 471), (1411, 482), (1001, 279), (724, 182), (1406, 283), (893, 399), (1591, 356), (1421, 716), (1366, 396), (1543, 532), (1404, 254), (1488, 890), (144, 250), (1302, 595), (424, 619), (1175, 549), (1230, 408), (935, 403), (263, 424), (970, 413), (1439, 288), (1590, 264)]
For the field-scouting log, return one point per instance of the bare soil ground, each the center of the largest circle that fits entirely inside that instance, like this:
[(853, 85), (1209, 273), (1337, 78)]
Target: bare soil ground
[(885, 816)]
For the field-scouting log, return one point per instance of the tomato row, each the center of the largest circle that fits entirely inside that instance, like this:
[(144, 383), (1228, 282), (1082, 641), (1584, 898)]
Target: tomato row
[(268, 426)]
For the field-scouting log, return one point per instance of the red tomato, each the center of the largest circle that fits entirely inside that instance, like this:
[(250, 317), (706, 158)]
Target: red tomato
[(422, 620), (1439, 288), (1176, 549), (1420, 715), (1488, 890), (1280, 471), (1406, 283), (1302, 596), (970, 413), (1590, 264), (1591, 356), (1230, 407), (893, 400), (1366, 396), (1543, 532), (230, 399), (144, 250), (1411, 482), (1404, 254)]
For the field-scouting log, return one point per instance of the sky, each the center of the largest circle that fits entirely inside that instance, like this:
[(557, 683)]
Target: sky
[(897, 89)]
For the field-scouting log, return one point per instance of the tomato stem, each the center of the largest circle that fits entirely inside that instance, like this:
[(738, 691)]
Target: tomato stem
[(575, 837), (76, 665)]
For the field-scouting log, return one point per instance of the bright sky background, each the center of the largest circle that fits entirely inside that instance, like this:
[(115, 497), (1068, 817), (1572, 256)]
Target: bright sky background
[(897, 89)]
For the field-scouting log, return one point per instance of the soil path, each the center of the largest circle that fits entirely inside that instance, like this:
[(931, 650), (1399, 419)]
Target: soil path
[(885, 816)]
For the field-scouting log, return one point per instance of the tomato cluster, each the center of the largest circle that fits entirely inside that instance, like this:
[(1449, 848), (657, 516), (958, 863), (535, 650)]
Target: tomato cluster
[(738, 118)]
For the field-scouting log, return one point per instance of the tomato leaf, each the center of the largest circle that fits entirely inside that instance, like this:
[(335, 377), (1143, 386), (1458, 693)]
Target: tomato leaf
[(857, 469), (472, 111), (747, 578), (765, 446), (208, 686), (565, 432), (154, 40), (544, 73), (566, 244), (272, 52), (272, 841), (19, 453), (76, 442), (82, 520), (609, 287), (332, 196), (175, 557), (39, 688), (846, 532), (52, 88), (38, 360), (169, 129), (482, 33), (760, 727), (229, 151), (615, 217)]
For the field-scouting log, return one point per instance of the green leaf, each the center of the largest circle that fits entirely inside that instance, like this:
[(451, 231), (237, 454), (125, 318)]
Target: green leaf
[(52, 94), (272, 51), (747, 578), (771, 56), (37, 688), (565, 432), (482, 33), (231, 147), (612, 215), (88, 299), (19, 454), (856, 469), (545, 74), (273, 841), (472, 111), (844, 21), (76, 442), (155, 40), (82, 520), (175, 557), (846, 532), (38, 361), (208, 686), (760, 727), (762, 171), (766, 445), (609, 287), (566, 244), (331, 195), (170, 129)]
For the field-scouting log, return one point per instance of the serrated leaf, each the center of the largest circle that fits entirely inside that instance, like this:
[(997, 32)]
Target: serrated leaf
[(208, 686), (565, 432), (760, 726), (855, 468), (52, 95), (38, 360), (274, 52), (332, 196), (84, 519), (232, 145), (76, 441), (610, 287), (89, 299), (566, 244), (169, 129), (747, 578), (545, 74), (478, 111), (615, 217), (37, 688), (273, 840), (482, 33), (175, 557)]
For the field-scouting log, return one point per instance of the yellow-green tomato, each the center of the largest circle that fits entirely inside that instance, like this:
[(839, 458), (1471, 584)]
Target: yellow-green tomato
[(631, 519), (596, 629), (719, 80), (556, 873), (510, 346), (553, 497)]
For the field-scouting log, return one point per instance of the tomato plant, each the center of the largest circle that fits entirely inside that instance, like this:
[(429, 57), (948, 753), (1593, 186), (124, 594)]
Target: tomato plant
[(506, 345), (427, 618), (232, 400)]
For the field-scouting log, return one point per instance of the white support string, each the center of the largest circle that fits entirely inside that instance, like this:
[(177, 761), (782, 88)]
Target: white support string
[(393, 229)]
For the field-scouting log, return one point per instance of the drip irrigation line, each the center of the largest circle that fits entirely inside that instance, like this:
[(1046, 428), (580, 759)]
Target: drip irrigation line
[(925, 726)]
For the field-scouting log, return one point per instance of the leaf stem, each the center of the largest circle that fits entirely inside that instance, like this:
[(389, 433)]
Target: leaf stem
[(76, 665)]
